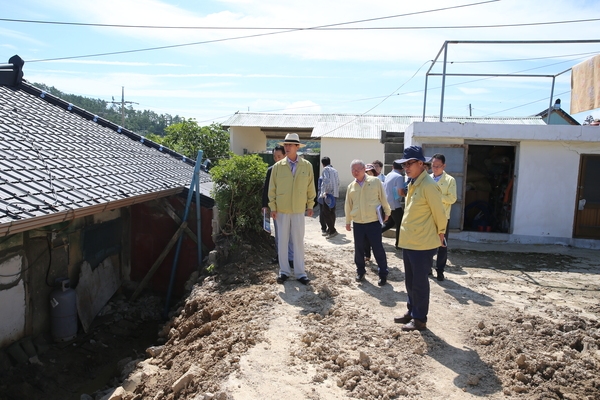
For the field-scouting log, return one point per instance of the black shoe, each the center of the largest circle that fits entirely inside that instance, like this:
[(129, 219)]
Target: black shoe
[(414, 325), (440, 275), (405, 319), (291, 264), (360, 277), (282, 278), (275, 260), (382, 281), (304, 280)]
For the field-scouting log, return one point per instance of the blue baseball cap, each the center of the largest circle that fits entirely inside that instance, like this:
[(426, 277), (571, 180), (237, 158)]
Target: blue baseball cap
[(413, 153)]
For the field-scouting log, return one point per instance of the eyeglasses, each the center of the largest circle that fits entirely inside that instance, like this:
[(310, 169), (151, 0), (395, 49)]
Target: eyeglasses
[(409, 163), (437, 166)]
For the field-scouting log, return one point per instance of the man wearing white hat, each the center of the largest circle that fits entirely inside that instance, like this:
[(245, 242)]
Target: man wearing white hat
[(291, 194)]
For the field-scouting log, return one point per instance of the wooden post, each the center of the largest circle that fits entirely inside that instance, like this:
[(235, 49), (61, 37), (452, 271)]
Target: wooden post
[(159, 260)]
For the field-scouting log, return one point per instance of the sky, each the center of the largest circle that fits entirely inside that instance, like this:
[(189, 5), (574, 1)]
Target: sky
[(284, 56)]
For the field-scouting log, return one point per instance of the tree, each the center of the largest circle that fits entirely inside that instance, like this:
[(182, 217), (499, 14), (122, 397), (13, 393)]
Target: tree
[(188, 137), (143, 122), (238, 185)]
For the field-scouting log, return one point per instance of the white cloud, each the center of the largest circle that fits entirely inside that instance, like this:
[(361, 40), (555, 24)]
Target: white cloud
[(471, 91)]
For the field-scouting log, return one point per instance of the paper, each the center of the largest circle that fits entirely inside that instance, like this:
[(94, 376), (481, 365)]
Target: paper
[(267, 221), (380, 214)]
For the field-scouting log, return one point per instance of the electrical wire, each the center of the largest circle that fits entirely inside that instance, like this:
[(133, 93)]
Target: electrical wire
[(526, 104), (378, 104), (259, 34), (323, 28), (522, 59), (246, 28)]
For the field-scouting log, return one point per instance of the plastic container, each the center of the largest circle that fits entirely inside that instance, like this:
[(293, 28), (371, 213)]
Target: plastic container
[(63, 302)]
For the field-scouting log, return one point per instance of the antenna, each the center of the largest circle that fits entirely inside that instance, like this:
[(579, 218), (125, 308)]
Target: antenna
[(122, 102)]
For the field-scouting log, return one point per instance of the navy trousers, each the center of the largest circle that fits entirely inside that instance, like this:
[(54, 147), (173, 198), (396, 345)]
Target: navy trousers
[(442, 253), (417, 264), (394, 220), (372, 233)]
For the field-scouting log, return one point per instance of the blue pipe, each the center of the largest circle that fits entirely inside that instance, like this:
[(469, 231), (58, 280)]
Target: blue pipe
[(185, 215)]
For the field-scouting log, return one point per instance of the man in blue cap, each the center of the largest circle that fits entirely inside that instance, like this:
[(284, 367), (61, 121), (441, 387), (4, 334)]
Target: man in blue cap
[(421, 234)]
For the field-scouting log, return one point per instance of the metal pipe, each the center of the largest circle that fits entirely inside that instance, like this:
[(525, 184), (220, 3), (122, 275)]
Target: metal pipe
[(443, 82), (509, 75), (550, 106), (425, 98), (199, 217), (185, 215)]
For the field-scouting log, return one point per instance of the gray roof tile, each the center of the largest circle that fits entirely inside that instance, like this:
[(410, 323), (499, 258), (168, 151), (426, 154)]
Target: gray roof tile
[(55, 160)]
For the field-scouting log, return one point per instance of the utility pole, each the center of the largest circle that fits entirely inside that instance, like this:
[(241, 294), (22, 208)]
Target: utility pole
[(122, 102), (470, 110)]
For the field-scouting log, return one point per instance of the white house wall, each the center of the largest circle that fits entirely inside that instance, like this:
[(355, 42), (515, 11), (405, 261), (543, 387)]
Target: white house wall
[(249, 138), (544, 209), (343, 151), (546, 169), (12, 300)]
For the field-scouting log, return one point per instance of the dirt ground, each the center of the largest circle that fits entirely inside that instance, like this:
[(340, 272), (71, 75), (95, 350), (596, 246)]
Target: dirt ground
[(512, 321)]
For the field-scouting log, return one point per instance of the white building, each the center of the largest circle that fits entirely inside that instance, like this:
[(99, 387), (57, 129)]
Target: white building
[(519, 180)]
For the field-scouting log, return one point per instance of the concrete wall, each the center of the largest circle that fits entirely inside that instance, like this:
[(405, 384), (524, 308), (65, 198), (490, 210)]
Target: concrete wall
[(546, 170), (29, 264), (542, 209), (251, 139), (12, 291), (343, 151)]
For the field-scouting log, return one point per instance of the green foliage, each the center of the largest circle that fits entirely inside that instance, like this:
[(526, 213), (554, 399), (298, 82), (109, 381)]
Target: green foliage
[(142, 122), (312, 146), (211, 269), (188, 137), (238, 184)]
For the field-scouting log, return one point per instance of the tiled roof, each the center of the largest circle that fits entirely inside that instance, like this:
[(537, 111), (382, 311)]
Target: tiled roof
[(352, 126), (565, 115), (58, 162)]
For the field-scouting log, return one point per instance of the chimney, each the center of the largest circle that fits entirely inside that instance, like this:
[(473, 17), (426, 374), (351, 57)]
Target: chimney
[(11, 74), (557, 104)]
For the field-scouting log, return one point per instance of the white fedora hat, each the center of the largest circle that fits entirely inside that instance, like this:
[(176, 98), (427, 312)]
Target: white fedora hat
[(292, 138)]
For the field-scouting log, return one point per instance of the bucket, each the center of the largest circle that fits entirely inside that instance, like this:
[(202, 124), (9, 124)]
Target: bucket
[(63, 302)]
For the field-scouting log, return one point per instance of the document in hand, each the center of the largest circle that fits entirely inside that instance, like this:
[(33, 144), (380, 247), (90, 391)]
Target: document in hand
[(267, 221), (380, 214)]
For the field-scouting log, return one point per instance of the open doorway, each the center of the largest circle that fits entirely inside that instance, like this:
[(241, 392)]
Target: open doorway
[(587, 214), (489, 187)]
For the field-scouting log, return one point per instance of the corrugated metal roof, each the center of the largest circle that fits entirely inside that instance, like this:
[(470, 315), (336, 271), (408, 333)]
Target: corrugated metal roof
[(55, 160), (260, 120), (348, 126)]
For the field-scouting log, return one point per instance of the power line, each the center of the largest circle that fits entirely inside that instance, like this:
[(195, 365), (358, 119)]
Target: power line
[(526, 104), (241, 28), (378, 104), (323, 28), (261, 34), (522, 59)]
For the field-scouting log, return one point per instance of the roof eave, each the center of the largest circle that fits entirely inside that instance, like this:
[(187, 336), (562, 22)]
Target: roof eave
[(18, 226)]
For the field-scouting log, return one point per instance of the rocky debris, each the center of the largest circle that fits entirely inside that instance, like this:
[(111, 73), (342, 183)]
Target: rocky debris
[(554, 354), (62, 370), (541, 358)]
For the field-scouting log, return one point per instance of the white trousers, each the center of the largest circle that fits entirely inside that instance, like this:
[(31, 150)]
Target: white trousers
[(291, 227)]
